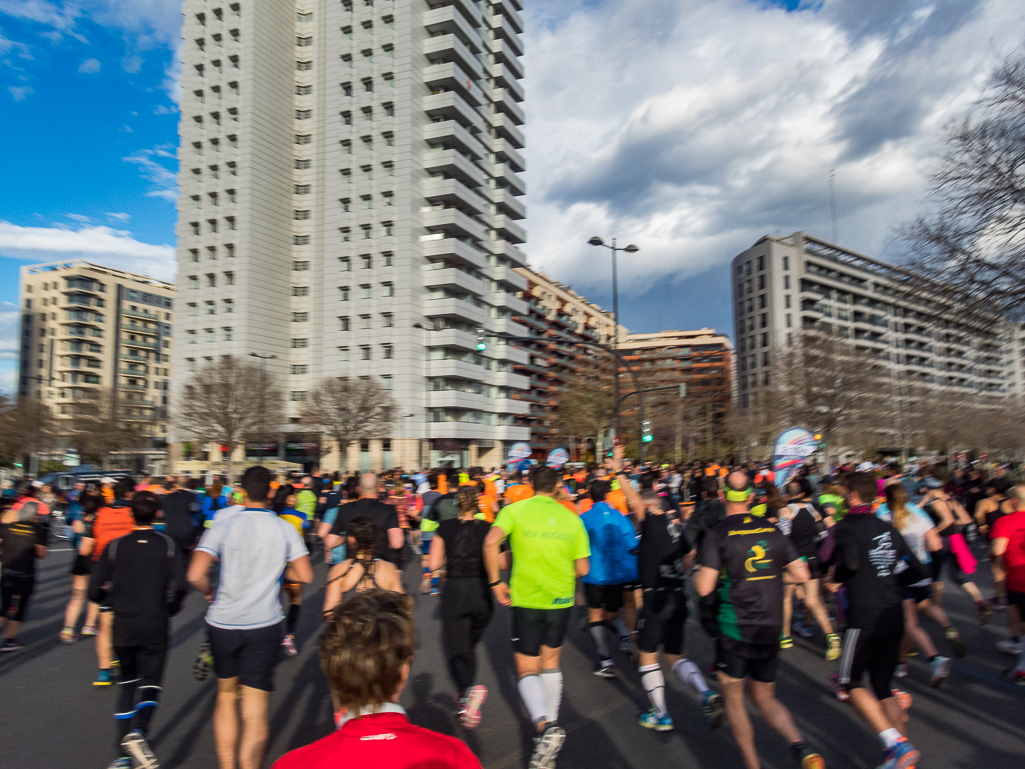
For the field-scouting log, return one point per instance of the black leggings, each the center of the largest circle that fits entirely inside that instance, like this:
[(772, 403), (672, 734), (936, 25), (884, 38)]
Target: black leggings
[(465, 613), (142, 668), (16, 585)]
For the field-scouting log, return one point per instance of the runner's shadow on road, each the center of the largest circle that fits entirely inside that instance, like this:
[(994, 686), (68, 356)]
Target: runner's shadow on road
[(200, 706)]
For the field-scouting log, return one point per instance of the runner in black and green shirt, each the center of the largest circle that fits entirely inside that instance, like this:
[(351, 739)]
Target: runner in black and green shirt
[(750, 560)]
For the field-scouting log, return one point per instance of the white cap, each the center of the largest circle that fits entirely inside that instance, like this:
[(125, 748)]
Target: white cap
[(37, 484), (106, 479)]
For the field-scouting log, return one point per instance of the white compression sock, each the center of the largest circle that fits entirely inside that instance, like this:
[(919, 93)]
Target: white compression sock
[(552, 681), (889, 737), (654, 684), (532, 692), (689, 673)]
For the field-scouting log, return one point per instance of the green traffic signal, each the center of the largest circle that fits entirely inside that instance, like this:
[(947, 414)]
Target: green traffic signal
[(482, 342), (648, 438)]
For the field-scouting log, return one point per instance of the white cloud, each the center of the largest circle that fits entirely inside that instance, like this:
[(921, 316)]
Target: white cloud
[(164, 179), (693, 127), (116, 248), (89, 67), (19, 92), (120, 217), (79, 218)]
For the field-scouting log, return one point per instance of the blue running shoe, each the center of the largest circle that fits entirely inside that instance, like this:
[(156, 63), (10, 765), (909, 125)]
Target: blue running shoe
[(650, 720), (903, 755), (714, 709)]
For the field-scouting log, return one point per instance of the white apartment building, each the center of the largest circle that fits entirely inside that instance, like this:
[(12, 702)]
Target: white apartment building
[(350, 204), (783, 286), (97, 337)]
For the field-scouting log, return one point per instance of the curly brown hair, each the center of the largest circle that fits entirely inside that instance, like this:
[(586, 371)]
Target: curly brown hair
[(364, 646)]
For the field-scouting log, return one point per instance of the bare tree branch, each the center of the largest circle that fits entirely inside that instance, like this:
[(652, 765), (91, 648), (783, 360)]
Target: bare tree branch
[(350, 410)]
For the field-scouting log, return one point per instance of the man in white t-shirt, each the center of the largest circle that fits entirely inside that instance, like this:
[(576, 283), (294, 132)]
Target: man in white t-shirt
[(245, 621)]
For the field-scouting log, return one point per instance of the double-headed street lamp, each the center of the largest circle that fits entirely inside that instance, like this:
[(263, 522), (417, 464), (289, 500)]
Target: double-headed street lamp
[(615, 249)]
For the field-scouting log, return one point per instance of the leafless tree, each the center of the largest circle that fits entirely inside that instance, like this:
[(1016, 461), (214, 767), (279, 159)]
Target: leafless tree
[(26, 426), (974, 239), (586, 407), (99, 425), (227, 403), (348, 410)]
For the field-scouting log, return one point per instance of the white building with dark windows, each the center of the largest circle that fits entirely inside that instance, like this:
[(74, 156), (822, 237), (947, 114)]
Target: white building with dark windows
[(784, 287), (351, 204)]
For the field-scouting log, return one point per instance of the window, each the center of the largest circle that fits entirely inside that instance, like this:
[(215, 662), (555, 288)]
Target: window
[(190, 364), (345, 231), (208, 335), (388, 256), (389, 51), (387, 320), (302, 189), (229, 306), (346, 175), (300, 343), (301, 240), (193, 281), (368, 231), (193, 309), (386, 351), (190, 337), (230, 249), (761, 262), (389, 21), (300, 317), (231, 222), (302, 18), (343, 292), (389, 168), (368, 114), (345, 264), (211, 308), (211, 279), (300, 370), (298, 396), (368, 27), (786, 262), (761, 282), (788, 320), (763, 320), (787, 301), (300, 266), (389, 198), (389, 109), (301, 215), (229, 278), (365, 291), (346, 118), (303, 138), (368, 201), (389, 138), (304, 42), (364, 353), (367, 261), (364, 322), (347, 62), (368, 56), (232, 169), (343, 354), (786, 282), (343, 322), (368, 143), (368, 172), (194, 253), (346, 147), (388, 228), (303, 114), (389, 79), (387, 289), (386, 383), (228, 333), (761, 301), (304, 66), (300, 290)]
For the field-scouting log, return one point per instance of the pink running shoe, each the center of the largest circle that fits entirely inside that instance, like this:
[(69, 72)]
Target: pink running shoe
[(471, 715)]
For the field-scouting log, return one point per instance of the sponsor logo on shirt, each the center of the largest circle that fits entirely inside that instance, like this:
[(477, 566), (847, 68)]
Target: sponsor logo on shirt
[(883, 556), (757, 560), (386, 736), (562, 601)]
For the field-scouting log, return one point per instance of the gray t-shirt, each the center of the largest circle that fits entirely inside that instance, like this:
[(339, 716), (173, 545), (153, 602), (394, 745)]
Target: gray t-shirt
[(254, 546)]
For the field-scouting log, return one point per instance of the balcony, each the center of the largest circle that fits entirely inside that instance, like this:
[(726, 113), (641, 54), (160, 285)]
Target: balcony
[(139, 343), (504, 30), (457, 369), (131, 387), (508, 154), (467, 431), (508, 249), (454, 308), (512, 180), (509, 327), (505, 78), (460, 400), (131, 372), (513, 16), (448, 21), (453, 164), (508, 204), (507, 129), (453, 338), (141, 314), (450, 76), (514, 280), (511, 301), (514, 233), (503, 103), (468, 8), (454, 136), (453, 191), (506, 54), (451, 48), (453, 249), (449, 105), (452, 221), (452, 278), (140, 329)]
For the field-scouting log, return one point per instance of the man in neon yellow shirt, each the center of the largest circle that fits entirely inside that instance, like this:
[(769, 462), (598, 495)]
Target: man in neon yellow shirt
[(550, 550)]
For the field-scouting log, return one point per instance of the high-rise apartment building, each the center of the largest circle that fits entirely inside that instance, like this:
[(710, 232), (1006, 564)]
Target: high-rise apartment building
[(96, 341), (784, 288), (350, 199)]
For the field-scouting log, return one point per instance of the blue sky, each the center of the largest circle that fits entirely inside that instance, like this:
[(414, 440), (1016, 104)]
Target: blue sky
[(691, 127)]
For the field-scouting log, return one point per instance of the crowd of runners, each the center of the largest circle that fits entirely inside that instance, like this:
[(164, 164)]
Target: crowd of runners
[(857, 558)]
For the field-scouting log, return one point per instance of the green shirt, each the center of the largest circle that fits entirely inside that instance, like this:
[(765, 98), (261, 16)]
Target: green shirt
[(546, 539), (306, 502), (836, 502)]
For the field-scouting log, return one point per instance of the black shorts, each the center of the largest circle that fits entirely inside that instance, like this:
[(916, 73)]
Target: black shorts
[(1017, 600), (946, 558), (742, 660), (248, 655), (534, 628), (16, 589), (916, 593), (814, 567), (873, 648), (661, 621), (608, 597), (82, 566)]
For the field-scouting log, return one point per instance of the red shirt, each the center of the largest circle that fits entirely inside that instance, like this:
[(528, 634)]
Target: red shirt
[(1012, 528), (382, 741)]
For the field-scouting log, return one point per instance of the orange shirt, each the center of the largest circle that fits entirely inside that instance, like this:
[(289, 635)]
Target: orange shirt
[(569, 505), (617, 499), (442, 484), (111, 523), (585, 505), (518, 492)]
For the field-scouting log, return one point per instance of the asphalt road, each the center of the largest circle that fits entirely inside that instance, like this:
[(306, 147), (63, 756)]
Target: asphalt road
[(52, 717)]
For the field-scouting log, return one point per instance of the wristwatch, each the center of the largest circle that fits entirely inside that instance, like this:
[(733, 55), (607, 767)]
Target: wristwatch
[(496, 583)]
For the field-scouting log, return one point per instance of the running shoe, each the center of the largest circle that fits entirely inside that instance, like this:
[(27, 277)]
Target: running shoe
[(803, 630), (120, 763), (115, 663), (425, 583), (470, 714), (956, 644), (137, 747), (786, 642), (1015, 676), (67, 635), (288, 645), (903, 698), (1009, 646), (714, 709), (901, 671), (903, 755), (833, 647), (940, 667), (605, 669), (806, 758), (204, 662), (434, 592), (89, 631), (651, 720), (11, 645), (985, 611), (839, 690), (546, 748), (103, 678)]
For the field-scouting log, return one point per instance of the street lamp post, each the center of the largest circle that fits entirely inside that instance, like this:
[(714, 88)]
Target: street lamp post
[(263, 388), (615, 249)]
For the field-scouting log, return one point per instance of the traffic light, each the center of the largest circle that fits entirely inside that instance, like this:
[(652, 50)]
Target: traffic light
[(646, 435), (482, 342)]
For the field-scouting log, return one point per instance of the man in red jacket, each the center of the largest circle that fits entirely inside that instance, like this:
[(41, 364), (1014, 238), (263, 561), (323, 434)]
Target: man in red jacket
[(366, 649)]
